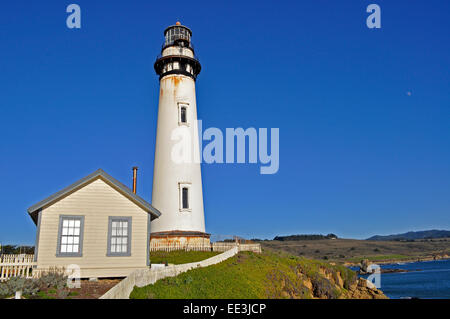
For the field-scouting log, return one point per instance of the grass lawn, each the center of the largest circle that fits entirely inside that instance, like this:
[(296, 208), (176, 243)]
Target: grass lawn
[(246, 275), (180, 256)]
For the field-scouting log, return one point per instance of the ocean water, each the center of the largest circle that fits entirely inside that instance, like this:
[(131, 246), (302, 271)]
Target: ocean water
[(426, 280)]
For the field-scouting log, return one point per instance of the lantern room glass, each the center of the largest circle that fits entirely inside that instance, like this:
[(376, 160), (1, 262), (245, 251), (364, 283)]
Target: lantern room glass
[(177, 33)]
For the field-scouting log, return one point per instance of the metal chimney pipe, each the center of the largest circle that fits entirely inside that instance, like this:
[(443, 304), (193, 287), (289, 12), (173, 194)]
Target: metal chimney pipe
[(134, 179)]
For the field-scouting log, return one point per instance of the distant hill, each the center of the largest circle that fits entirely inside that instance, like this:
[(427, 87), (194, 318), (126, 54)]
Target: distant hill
[(305, 237), (413, 235)]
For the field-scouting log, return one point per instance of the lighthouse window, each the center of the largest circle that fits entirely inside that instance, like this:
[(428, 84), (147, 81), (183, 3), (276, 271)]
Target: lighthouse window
[(185, 198), (183, 114), (185, 201)]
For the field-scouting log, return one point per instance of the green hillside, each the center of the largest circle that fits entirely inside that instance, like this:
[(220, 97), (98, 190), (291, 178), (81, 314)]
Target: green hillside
[(266, 275)]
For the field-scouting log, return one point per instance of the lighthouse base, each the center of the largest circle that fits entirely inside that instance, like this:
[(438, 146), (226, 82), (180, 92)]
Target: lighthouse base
[(180, 240)]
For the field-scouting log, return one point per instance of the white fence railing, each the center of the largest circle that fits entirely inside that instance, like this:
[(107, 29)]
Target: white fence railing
[(223, 246), (179, 246), (144, 277), (256, 248), (218, 246), (16, 266)]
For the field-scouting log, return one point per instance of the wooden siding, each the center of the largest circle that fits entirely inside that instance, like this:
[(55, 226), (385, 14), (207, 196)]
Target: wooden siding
[(96, 202)]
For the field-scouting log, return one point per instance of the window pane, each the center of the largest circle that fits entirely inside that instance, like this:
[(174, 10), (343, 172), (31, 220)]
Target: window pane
[(70, 235), (119, 236), (185, 197), (183, 114)]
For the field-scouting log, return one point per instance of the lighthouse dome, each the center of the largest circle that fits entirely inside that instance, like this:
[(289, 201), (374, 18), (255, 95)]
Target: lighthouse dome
[(177, 54), (177, 34)]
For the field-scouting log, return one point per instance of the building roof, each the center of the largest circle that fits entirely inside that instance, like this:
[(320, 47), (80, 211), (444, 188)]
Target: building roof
[(98, 174)]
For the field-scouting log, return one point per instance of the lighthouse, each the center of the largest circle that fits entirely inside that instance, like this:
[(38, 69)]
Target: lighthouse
[(177, 184)]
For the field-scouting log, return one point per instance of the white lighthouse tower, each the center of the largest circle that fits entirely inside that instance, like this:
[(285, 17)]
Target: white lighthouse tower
[(177, 185)]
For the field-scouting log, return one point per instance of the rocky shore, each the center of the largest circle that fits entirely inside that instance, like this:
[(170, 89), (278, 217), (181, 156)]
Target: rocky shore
[(365, 290), (333, 281), (365, 269), (413, 259)]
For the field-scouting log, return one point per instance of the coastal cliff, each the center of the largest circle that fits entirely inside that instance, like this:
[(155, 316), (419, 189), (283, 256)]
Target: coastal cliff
[(272, 274), (353, 288)]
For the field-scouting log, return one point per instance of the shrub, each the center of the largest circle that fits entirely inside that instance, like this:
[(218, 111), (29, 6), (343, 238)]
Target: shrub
[(349, 277), (281, 284), (322, 287), (14, 249), (63, 293), (54, 277), (27, 286), (4, 290)]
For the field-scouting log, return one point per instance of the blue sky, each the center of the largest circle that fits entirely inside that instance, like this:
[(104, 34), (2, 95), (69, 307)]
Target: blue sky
[(358, 155)]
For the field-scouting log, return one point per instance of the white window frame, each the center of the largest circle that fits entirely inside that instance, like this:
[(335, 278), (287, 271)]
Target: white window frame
[(62, 229), (112, 219), (180, 200), (180, 106)]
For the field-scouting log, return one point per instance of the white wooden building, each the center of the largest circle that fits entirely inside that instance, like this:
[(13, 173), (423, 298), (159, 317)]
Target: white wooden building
[(97, 223)]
